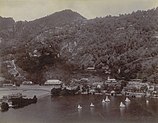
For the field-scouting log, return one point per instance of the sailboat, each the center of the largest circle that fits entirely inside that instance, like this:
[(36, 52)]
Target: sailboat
[(103, 101), (91, 105), (79, 107), (107, 99), (147, 101), (127, 99), (122, 105)]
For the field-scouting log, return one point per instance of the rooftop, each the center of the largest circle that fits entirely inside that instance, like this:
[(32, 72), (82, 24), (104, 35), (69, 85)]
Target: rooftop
[(53, 82)]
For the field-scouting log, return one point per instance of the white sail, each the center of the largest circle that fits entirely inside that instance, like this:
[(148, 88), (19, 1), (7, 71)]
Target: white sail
[(122, 105), (91, 105), (79, 107), (127, 99), (107, 99), (103, 101)]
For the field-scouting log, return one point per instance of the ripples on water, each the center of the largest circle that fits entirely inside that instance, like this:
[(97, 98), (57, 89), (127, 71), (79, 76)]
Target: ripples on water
[(64, 110)]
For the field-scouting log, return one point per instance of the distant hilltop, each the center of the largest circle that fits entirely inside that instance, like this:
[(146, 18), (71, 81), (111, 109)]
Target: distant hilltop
[(64, 44)]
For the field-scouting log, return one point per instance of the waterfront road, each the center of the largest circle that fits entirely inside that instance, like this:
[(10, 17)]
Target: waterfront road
[(27, 90)]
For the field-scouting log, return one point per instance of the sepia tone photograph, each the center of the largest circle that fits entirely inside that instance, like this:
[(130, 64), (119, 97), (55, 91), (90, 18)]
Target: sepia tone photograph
[(78, 61)]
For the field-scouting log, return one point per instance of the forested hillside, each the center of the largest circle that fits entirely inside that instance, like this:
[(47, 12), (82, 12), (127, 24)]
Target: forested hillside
[(64, 43)]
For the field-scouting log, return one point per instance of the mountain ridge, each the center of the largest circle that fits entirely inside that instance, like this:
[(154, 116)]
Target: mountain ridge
[(50, 44)]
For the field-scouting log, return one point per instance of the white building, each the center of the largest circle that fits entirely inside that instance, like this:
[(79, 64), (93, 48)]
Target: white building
[(111, 80), (91, 68), (27, 83), (54, 83), (8, 85)]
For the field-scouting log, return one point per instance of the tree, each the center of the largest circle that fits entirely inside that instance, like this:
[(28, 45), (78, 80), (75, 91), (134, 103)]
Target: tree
[(4, 106)]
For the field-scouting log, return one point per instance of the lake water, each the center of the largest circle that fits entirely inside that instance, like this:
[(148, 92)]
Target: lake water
[(64, 110)]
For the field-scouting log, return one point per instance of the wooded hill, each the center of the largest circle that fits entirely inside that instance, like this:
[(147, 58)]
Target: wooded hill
[(59, 44)]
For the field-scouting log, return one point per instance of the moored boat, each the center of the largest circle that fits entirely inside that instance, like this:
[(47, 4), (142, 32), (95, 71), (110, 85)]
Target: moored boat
[(91, 105), (79, 107), (103, 101), (127, 99), (107, 99), (122, 105)]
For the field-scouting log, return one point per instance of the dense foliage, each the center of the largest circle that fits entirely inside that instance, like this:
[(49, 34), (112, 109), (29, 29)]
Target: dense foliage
[(127, 45)]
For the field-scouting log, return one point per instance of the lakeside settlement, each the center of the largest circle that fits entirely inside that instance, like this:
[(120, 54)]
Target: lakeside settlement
[(30, 92)]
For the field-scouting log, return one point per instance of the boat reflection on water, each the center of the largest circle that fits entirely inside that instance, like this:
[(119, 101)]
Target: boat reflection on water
[(127, 104), (92, 110), (79, 112), (122, 112), (112, 98), (103, 104), (107, 106), (147, 102)]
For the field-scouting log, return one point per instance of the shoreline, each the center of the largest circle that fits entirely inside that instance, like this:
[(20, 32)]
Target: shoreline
[(40, 91), (28, 91)]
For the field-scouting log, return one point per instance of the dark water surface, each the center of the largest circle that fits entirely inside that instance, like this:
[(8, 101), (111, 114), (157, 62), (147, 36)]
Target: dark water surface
[(64, 110)]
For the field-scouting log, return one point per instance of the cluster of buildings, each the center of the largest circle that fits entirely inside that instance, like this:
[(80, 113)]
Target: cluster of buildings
[(132, 88), (136, 88)]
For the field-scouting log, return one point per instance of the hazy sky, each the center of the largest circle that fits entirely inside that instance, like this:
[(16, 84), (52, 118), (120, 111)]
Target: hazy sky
[(33, 9)]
